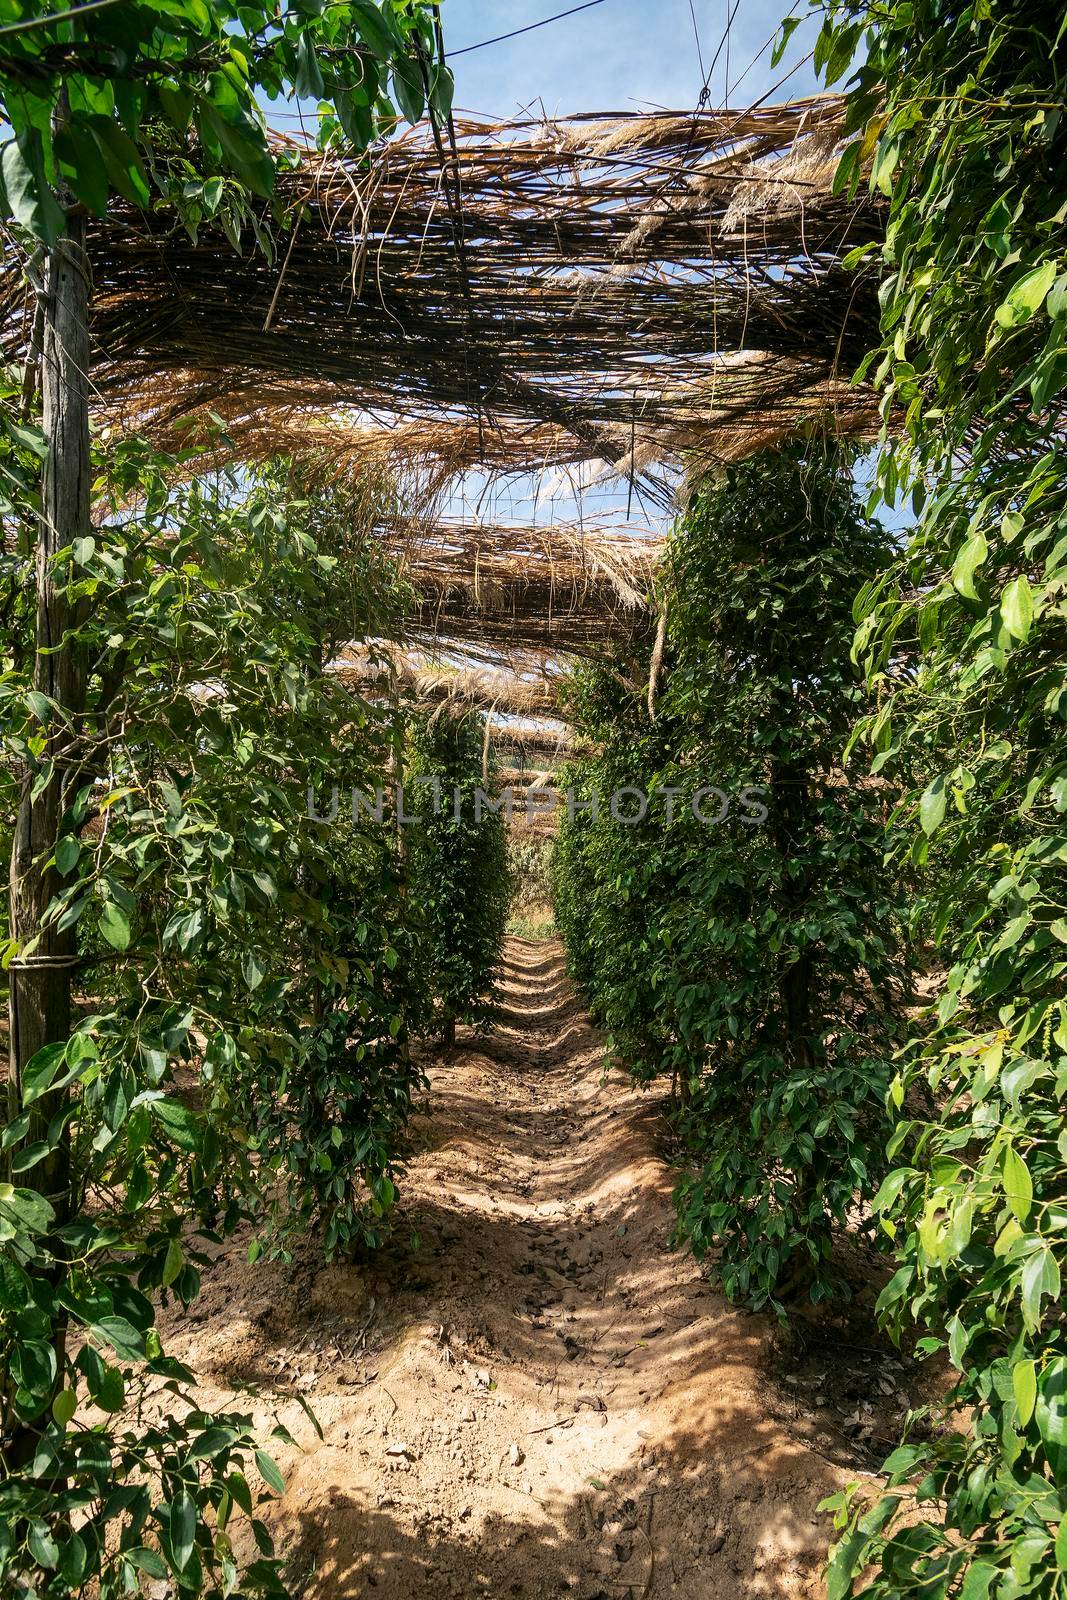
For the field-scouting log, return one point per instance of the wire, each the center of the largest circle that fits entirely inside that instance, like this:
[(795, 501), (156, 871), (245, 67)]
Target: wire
[(514, 34), (724, 43), (48, 17), (696, 36)]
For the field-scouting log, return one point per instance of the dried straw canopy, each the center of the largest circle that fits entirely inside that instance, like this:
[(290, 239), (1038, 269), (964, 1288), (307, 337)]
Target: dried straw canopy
[(629, 292), (511, 587), (623, 288)]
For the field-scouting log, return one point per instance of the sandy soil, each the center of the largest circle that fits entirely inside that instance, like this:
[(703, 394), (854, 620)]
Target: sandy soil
[(539, 1398)]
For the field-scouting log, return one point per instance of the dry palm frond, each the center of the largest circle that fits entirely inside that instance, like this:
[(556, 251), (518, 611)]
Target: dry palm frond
[(513, 688), (500, 583), (613, 262)]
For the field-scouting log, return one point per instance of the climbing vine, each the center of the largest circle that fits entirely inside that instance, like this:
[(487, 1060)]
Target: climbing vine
[(959, 114), (239, 1049), (744, 936), (458, 862)]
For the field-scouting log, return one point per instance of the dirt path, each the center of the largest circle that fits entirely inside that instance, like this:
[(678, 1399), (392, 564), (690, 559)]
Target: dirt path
[(540, 1399)]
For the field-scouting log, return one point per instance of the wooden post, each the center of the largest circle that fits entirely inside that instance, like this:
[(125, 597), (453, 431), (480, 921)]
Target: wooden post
[(41, 984)]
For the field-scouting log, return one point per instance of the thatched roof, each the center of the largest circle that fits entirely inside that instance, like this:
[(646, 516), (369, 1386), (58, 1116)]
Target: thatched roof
[(507, 585), (523, 686), (616, 294), (623, 288)]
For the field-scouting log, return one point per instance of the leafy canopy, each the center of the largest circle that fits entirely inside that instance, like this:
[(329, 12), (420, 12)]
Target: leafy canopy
[(753, 958), (960, 113), (113, 98)]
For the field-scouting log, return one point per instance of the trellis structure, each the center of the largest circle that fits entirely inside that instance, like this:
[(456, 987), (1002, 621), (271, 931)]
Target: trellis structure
[(634, 293), (509, 586), (628, 286)]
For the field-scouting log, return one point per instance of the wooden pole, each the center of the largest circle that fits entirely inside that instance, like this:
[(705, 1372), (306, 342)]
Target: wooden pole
[(41, 982)]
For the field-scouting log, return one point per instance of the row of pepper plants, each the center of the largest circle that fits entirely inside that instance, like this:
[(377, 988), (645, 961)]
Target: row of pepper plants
[(214, 988), (903, 702)]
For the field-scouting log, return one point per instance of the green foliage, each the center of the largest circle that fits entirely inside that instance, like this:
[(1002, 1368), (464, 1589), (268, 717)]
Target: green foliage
[(251, 978), (244, 1052), (136, 99), (101, 1505), (530, 870), (753, 957), (964, 641), (457, 854)]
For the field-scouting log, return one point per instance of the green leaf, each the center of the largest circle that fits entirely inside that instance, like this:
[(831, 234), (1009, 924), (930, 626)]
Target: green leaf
[(14, 1285), (185, 929), (33, 1365), (442, 92), (377, 28), (122, 160), (29, 197), (967, 562), (115, 925), (309, 84), (886, 161), (980, 1578), (211, 195), (82, 168), (891, 1186), (40, 705), (1024, 1383), (244, 147), (268, 1471), (253, 969), (29, 1155), (43, 1547), (73, 1561), (68, 854), (932, 805), (847, 172), (1017, 607), (211, 1442), (182, 1124), (1018, 1186), (266, 884), (17, 1129), (147, 1561), (845, 1557), (356, 118), (959, 1336), (104, 1380), (1057, 300), (40, 1070), (25, 1207), (1050, 1413), (785, 33), (177, 103), (174, 1262), (1061, 1545), (409, 87), (903, 1460), (1026, 296), (182, 1528), (1040, 1280), (121, 1335)]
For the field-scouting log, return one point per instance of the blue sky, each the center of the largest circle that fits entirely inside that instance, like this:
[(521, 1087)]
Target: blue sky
[(618, 55)]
